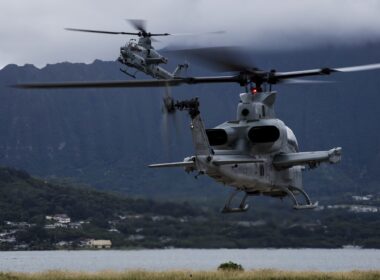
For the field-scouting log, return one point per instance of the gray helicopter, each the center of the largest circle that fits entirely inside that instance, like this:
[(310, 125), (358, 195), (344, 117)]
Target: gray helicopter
[(140, 54), (256, 153)]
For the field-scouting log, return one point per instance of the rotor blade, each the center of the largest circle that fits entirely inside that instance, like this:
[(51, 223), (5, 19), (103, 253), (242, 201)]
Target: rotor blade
[(358, 68), (200, 33), (102, 31), (304, 81), (241, 78), (139, 24), (185, 34), (159, 34), (219, 58), (102, 84), (302, 73), (323, 71), (131, 84), (212, 79), (168, 117)]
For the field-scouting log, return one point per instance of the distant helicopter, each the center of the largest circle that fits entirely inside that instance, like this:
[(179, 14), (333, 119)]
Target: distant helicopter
[(141, 55), (256, 153)]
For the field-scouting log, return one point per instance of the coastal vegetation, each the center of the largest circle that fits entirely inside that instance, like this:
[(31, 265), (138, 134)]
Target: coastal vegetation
[(39, 215), (230, 266), (264, 274)]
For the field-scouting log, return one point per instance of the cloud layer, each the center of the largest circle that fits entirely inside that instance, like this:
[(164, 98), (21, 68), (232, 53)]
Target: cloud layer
[(33, 31)]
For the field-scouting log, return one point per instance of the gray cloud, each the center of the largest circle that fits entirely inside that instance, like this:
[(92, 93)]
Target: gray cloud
[(32, 31)]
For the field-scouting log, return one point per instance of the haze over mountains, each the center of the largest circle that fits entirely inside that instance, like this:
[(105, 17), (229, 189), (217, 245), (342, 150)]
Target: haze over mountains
[(107, 137)]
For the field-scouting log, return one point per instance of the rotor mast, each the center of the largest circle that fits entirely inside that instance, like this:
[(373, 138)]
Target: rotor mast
[(256, 106)]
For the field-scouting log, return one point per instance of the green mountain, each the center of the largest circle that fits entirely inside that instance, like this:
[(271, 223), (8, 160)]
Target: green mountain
[(27, 206)]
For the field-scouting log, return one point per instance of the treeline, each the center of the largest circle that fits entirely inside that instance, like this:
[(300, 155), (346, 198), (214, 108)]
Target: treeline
[(24, 198), (136, 223)]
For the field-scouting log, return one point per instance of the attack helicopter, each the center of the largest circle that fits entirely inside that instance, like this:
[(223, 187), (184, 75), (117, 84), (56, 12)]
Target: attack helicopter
[(140, 54), (256, 153)]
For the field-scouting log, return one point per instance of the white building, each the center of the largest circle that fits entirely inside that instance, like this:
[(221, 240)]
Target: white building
[(60, 218), (99, 243)]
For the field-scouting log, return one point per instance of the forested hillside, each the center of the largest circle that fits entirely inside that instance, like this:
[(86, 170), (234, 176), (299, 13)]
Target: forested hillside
[(28, 204)]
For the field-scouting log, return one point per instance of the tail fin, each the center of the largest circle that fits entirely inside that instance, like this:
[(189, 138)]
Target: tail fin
[(200, 140), (180, 67), (198, 131)]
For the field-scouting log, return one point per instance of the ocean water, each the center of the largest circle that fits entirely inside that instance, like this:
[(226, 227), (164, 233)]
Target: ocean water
[(191, 259)]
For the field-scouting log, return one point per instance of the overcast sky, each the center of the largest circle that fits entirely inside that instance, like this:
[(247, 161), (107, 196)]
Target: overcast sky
[(32, 31)]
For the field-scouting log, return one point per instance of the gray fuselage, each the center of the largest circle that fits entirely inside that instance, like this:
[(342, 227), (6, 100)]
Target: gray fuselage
[(243, 140)]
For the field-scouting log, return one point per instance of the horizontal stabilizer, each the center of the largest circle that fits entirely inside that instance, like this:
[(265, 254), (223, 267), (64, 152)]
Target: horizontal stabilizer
[(307, 158), (173, 164)]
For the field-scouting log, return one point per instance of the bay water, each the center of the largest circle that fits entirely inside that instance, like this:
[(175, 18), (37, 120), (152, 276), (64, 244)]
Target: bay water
[(191, 259)]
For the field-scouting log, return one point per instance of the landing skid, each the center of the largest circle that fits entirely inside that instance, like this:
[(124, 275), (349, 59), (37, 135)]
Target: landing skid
[(297, 205), (243, 207), (130, 75)]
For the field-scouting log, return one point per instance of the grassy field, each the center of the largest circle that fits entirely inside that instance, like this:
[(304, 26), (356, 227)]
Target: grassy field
[(179, 275)]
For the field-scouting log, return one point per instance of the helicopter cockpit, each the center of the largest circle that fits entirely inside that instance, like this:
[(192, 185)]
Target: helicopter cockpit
[(133, 45)]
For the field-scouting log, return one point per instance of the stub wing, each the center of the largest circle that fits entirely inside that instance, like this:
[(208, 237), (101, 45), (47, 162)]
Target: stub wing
[(312, 159), (188, 164)]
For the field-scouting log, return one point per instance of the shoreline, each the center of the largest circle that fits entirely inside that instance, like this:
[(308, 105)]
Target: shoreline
[(348, 247), (261, 274)]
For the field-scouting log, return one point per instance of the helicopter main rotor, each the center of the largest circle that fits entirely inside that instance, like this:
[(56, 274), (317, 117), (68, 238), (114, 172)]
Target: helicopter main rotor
[(221, 58), (244, 78), (138, 24)]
